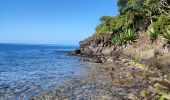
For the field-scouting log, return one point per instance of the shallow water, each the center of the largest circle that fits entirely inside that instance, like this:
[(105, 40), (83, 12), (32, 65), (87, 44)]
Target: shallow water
[(29, 70)]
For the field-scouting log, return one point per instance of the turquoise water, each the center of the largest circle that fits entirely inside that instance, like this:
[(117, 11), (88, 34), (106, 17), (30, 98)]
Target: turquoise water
[(29, 70)]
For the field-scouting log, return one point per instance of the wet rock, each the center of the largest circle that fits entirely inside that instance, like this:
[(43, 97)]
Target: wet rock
[(4, 86), (95, 60), (76, 52)]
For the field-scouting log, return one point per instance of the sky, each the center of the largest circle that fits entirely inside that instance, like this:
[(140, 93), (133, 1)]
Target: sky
[(51, 21)]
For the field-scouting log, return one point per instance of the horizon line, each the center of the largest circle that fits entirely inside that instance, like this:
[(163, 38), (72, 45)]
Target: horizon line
[(50, 44)]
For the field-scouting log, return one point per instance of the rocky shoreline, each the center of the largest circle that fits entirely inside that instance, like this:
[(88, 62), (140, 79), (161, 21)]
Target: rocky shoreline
[(121, 80), (143, 67), (138, 71)]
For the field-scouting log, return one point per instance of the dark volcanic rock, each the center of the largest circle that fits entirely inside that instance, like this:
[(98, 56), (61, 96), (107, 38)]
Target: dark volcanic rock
[(76, 52)]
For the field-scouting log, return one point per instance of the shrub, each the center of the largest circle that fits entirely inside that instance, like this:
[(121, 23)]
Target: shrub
[(120, 39), (102, 29), (117, 39), (127, 36), (166, 34), (152, 33), (162, 22), (121, 22), (114, 40)]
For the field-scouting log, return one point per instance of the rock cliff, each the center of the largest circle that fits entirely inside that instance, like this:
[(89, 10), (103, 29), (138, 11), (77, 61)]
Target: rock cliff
[(99, 47), (142, 66)]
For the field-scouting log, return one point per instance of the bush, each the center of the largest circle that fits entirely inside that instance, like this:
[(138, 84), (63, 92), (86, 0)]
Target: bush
[(102, 29), (117, 39), (127, 36), (162, 22), (152, 33), (121, 22), (166, 35)]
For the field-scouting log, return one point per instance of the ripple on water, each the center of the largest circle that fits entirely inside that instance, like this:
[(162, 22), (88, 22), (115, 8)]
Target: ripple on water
[(27, 71)]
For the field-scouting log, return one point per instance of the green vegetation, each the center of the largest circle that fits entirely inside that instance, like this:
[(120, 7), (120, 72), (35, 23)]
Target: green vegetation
[(129, 36), (153, 34), (117, 39), (102, 29), (161, 23), (166, 35), (125, 37), (136, 15)]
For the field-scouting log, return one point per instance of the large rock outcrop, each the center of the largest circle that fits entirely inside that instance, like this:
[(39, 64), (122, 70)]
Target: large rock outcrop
[(94, 45), (99, 47)]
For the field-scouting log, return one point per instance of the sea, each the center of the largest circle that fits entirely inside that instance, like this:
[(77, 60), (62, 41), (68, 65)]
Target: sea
[(28, 70)]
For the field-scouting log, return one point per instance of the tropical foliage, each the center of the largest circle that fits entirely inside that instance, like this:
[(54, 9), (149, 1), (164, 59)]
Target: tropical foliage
[(125, 37), (129, 36), (161, 23), (153, 34), (136, 15), (166, 35), (102, 29)]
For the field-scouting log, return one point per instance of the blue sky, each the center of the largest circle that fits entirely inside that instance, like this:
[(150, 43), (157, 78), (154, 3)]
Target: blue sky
[(51, 21)]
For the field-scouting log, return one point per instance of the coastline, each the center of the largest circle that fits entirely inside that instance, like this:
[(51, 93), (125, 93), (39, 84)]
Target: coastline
[(138, 71), (127, 57), (116, 80)]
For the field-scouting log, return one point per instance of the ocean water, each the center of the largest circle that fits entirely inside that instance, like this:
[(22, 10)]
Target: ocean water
[(29, 70)]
